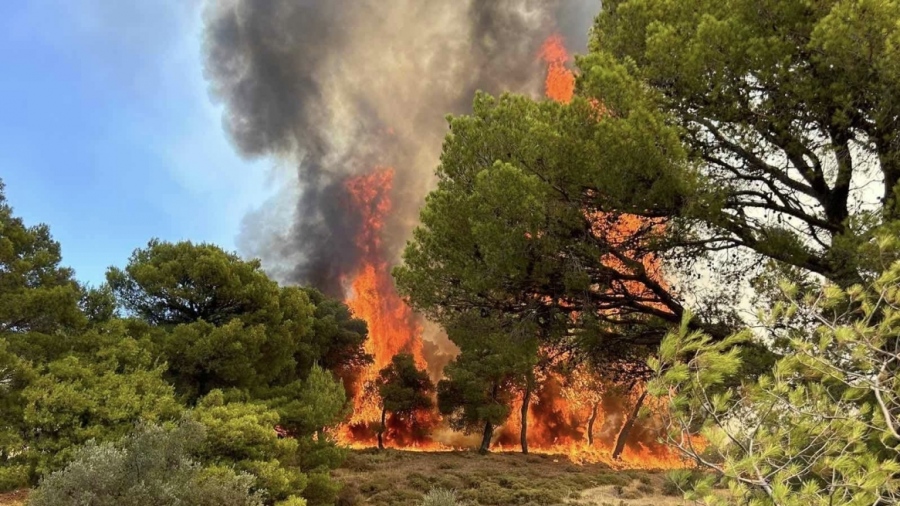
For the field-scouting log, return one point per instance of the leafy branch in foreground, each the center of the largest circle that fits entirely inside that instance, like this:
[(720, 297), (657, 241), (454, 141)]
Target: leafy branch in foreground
[(822, 428)]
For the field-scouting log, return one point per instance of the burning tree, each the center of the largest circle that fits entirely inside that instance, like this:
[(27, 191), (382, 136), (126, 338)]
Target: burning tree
[(524, 226), (406, 392), (480, 384)]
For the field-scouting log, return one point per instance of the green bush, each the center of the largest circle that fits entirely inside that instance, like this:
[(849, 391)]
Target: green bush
[(440, 497), (99, 397), (321, 489), (14, 477), (292, 501), (151, 466)]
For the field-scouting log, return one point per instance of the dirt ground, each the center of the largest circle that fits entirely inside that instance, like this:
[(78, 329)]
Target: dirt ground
[(13, 498), (507, 479)]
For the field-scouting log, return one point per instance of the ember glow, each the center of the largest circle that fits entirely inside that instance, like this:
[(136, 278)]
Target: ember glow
[(578, 417)]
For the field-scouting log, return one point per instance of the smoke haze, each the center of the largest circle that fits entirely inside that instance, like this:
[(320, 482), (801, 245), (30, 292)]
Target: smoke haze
[(335, 88)]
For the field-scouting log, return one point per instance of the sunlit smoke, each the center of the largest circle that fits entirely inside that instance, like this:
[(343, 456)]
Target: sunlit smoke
[(336, 87)]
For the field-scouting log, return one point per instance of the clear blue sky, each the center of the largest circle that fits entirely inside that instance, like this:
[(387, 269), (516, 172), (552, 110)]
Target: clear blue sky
[(107, 131)]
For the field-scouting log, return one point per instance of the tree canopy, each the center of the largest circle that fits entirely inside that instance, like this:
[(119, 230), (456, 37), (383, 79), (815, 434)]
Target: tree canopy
[(222, 323), (787, 109), (518, 222), (705, 140), (174, 283), (36, 293), (184, 332)]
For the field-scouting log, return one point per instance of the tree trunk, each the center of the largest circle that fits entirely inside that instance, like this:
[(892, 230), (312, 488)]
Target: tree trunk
[(383, 428), (486, 440), (626, 429), (526, 399), (591, 420)]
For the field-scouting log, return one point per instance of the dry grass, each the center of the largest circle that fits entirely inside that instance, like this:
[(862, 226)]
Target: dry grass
[(631, 495), (393, 477)]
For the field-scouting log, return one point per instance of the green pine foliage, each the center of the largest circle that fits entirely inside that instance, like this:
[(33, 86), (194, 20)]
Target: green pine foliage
[(241, 435), (403, 387), (184, 331), (76, 399), (822, 428), (36, 293), (309, 406), (780, 105), (225, 325)]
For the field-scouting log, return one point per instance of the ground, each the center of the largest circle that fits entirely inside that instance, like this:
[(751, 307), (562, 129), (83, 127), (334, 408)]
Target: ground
[(13, 498), (400, 478), (392, 477)]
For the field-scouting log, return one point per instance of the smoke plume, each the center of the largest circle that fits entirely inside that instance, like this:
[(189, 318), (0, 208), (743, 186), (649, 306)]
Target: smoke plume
[(335, 88)]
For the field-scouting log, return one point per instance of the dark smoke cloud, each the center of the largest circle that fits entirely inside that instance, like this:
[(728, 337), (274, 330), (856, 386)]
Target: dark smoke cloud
[(335, 88)]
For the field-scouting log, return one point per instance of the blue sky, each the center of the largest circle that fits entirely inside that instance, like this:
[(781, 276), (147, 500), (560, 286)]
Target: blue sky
[(107, 131)]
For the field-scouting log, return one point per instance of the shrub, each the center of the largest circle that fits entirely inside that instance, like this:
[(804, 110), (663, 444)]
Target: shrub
[(151, 466), (440, 497), (349, 496), (14, 477), (76, 399), (321, 489), (292, 501), (242, 435)]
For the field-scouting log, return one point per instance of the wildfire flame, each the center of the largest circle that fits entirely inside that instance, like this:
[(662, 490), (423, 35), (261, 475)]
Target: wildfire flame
[(561, 411), (393, 328), (560, 82)]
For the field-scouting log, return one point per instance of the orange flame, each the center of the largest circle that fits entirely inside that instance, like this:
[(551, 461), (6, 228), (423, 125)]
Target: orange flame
[(393, 328), (560, 83), (560, 407)]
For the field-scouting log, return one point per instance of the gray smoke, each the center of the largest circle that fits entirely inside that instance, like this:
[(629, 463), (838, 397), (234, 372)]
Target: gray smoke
[(335, 88)]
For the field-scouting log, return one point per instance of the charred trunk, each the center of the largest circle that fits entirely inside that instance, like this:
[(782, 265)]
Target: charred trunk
[(526, 400), (382, 429), (591, 420), (486, 439), (626, 429)]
